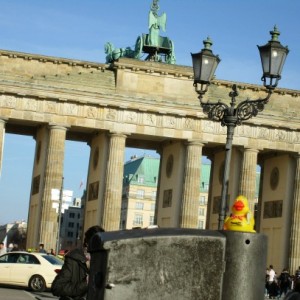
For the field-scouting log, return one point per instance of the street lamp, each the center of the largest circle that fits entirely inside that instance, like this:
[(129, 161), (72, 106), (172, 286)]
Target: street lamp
[(273, 56), (59, 217)]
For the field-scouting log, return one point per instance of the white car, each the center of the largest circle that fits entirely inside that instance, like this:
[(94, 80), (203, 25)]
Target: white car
[(33, 270)]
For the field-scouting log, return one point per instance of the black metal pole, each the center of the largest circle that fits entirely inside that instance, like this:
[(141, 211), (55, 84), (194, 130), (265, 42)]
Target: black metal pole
[(59, 216), (228, 150)]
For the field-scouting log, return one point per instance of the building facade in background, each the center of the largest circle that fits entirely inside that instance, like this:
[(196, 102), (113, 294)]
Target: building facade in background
[(140, 185), (71, 225)]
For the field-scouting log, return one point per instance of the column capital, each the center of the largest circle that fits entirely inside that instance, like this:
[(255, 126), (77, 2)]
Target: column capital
[(250, 149), (118, 134), (56, 126), (194, 142)]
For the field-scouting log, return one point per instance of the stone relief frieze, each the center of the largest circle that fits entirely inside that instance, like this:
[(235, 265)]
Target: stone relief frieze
[(263, 133), (8, 101), (208, 126), (70, 109), (188, 123), (30, 104), (91, 112), (280, 135), (244, 130), (169, 121), (50, 107), (295, 137), (149, 119), (111, 114), (213, 127), (254, 132), (130, 116)]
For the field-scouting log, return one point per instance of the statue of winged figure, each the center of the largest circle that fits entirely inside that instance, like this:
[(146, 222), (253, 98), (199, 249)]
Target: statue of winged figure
[(155, 24)]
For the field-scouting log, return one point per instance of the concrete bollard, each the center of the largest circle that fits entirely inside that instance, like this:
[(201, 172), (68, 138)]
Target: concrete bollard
[(173, 264), (246, 260)]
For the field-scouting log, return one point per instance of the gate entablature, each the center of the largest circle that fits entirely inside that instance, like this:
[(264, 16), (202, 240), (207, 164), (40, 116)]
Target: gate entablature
[(85, 96)]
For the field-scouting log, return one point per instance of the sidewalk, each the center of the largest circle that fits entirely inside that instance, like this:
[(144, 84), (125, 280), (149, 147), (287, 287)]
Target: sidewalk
[(15, 294)]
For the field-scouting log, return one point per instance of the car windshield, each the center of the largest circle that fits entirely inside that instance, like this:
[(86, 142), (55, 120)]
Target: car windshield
[(53, 260)]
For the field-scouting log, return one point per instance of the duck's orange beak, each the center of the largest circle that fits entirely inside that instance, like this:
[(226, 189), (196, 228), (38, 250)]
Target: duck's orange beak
[(239, 205)]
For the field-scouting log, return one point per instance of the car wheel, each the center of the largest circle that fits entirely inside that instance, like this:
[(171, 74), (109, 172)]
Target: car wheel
[(37, 283)]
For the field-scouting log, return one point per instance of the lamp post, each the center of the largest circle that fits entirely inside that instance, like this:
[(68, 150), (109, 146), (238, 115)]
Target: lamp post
[(273, 56), (59, 216)]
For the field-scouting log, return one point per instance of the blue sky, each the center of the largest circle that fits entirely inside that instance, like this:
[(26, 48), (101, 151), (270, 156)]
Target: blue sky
[(79, 29)]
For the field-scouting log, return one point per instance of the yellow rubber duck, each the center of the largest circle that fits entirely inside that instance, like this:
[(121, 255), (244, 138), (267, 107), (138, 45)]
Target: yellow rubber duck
[(241, 218)]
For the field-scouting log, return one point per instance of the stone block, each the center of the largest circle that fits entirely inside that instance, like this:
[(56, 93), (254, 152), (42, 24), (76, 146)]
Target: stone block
[(157, 264)]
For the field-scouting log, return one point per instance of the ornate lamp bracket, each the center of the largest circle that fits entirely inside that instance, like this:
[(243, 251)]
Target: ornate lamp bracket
[(231, 114)]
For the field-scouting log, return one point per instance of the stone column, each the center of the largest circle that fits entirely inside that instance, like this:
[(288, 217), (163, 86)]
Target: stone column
[(258, 216), (53, 180), (114, 182), (294, 257), (248, 175), (2, 135), (191, 185), (209, 210)]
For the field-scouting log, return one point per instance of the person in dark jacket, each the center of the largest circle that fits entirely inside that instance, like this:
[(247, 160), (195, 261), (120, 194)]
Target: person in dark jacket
[(72, 280), (284, 281), (295, 293)]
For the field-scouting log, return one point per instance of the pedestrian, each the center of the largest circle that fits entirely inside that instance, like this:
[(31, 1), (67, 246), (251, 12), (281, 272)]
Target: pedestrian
[(15, 248), (272, 285), (284, 281), (295, 293), (72, 281), (267, 282), (297, 274), (41, 249), (274, 289), (52, 252), (2, 249), (10, 246)]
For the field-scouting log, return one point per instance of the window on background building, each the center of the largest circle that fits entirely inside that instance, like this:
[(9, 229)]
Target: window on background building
[(152, 206), (140, 194), (141, 179), (202, 200), (139, 205), (138, 220), (200, 224), (201, 211), (153, 196), (71, 225), (72, 215), (70, 234)]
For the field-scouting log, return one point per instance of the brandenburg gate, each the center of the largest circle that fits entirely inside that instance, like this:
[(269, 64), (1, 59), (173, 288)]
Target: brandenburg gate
[(151, 105)]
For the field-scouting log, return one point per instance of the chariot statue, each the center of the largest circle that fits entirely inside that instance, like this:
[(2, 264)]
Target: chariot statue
[(157, 48)]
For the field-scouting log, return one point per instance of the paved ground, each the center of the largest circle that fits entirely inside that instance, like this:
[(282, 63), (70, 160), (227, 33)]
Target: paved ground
[(10, 293)]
